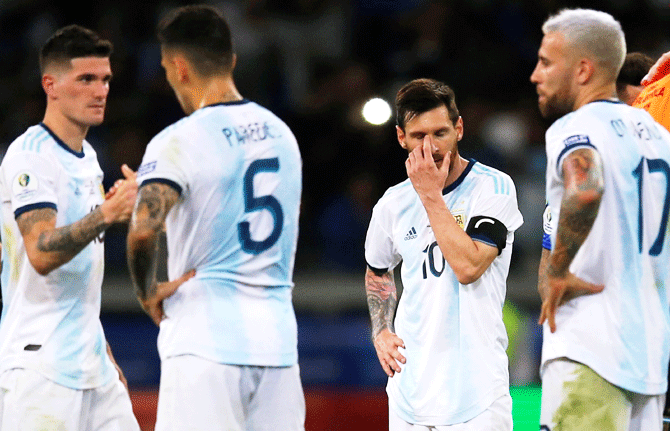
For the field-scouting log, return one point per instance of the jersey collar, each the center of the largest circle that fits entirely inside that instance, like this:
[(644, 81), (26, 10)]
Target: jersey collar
[(459, 180), (615, 101), (60, 142), (231, 103)]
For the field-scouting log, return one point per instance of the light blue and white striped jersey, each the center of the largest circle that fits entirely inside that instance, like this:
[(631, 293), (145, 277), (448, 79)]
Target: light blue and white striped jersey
[(51, 323), (623, 333), (454, 334), (239, 172)]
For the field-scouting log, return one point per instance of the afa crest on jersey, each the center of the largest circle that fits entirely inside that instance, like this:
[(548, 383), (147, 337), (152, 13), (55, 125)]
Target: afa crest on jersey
[(460, 219)]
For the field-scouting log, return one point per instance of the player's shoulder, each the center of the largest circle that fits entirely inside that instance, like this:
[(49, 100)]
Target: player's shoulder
[(175, 129), (496, 180), (36, 141), (589, 120), (395, 195)]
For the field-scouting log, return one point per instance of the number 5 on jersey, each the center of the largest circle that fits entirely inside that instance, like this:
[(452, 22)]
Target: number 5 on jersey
[(257, 203)]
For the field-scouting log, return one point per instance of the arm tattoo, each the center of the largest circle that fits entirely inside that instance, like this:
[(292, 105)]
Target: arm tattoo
[(382, 300), (583, 176), (70, 239), (542, 274), (153, 205)]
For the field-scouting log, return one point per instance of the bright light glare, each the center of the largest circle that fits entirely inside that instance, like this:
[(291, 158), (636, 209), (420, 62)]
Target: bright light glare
[(376, 111)]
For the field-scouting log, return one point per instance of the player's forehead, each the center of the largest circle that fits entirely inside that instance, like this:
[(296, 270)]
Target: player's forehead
[(434, 119), (553, 46), (97, 66), (93, 65)]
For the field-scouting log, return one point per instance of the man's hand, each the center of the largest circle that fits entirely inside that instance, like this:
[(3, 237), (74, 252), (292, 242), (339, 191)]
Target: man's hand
[(561, 289), (423, 171), (386, 344), (154, 304), (658, 70), (120, 199)]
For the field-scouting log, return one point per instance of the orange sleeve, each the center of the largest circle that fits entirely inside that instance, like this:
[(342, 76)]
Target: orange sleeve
[(655, 99)]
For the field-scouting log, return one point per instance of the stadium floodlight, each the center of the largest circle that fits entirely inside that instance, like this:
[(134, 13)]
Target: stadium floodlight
[(376, 111)]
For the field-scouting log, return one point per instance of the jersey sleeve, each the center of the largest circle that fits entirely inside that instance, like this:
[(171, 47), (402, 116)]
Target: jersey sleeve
[(561, 144), (165, 162), (32, 180), (546, 227), (379, 249), (495, 215)]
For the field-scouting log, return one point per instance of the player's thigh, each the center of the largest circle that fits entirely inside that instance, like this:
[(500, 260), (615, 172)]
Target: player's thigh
[(31, 402), (396, 423), (647, 414), (110, 408), (277, 399), (579, 399), (497, 417), (196, 394)]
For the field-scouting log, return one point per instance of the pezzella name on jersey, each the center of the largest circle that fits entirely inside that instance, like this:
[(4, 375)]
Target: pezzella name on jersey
[(252, 132)]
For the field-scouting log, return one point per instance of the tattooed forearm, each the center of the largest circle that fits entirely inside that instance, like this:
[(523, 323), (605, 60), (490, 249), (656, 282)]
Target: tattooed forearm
[(382, 300), (583, 176), (70, 239), (154, 202), (542, 274), (142, 262)]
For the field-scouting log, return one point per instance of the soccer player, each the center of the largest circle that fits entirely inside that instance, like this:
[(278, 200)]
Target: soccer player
[(635, 67), (56, 369), (452, 225), (605, 305), (226, 183)]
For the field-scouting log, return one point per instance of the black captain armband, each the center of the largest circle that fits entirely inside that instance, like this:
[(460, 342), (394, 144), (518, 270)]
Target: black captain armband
[(488, 230)]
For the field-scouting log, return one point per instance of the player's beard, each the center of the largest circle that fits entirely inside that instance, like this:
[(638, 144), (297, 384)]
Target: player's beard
[(556, 106)]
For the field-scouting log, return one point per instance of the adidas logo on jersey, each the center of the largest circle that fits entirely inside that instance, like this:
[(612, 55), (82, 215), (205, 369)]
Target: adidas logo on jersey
[(411, 234)]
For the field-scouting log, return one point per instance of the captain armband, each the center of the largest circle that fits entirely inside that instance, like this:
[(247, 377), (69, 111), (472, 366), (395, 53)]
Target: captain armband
[(488, 230)]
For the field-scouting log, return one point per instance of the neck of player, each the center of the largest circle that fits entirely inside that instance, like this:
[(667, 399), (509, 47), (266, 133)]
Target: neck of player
[(71, 133), (218, 90), (588, 95), (457, 167)]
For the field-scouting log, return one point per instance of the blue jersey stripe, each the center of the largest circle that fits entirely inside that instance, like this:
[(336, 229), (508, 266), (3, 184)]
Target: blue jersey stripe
[(35, 206)]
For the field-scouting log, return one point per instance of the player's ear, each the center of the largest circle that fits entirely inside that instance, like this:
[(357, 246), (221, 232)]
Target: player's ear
[(459, 128), (401, 136), (233, 62), (183, 68), (585, 70), (49, 84)]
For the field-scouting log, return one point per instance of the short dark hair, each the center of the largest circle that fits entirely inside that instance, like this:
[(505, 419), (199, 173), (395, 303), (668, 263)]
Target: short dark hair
[(202, 34), (635, 67), (73, 41), (422, 95)]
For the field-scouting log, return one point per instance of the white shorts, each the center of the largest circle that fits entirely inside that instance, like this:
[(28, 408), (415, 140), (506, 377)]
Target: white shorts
[(31, 402), (196, 394), (497, 417), (579, 399)]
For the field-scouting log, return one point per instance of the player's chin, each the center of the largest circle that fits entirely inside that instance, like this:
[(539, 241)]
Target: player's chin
[(95, 120)]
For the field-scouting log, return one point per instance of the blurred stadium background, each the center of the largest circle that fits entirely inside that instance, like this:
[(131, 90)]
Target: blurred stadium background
[(315, 63)]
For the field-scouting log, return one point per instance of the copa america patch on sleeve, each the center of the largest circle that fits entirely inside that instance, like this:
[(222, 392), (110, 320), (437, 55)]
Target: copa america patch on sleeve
[(24, 185), (146, 168), (577, 140)]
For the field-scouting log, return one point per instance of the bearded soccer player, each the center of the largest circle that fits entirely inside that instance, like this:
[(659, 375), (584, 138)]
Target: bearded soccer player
[(452, 225)]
